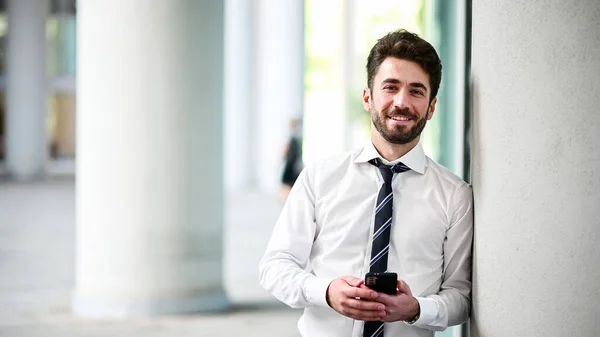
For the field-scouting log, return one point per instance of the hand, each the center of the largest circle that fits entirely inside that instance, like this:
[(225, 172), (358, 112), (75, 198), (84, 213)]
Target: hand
[(346, 296), (400, 307)]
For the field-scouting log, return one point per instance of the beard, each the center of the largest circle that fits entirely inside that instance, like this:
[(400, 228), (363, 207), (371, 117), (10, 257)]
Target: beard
[(399, 134)]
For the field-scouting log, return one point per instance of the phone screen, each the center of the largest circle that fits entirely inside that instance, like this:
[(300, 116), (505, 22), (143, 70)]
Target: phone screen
[(382, 282)]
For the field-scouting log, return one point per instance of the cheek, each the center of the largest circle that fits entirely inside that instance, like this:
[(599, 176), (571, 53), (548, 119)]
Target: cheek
[(382, 104), (422, 109)]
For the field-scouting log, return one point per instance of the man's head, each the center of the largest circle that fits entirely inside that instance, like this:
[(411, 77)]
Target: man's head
[(404, 74), (408, 46)]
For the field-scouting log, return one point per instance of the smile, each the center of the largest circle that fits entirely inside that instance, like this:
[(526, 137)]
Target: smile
[(400, 118)]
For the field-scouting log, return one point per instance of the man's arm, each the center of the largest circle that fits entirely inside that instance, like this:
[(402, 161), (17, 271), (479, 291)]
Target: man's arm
[(451, 305), (282, 268)]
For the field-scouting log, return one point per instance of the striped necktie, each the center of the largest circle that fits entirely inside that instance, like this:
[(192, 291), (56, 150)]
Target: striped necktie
[(381, 231)]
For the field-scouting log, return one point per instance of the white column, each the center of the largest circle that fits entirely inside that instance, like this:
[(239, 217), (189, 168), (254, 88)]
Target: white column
[(280, 86), (149, 158), (240, 119), (26, 145), (536, 168), (328, 113)]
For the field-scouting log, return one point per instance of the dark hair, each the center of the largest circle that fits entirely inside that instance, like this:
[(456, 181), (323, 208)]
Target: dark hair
[(405, 45)]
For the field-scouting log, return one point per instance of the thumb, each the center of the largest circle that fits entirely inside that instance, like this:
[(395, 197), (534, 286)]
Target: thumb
[(403, 287), (353, 281)]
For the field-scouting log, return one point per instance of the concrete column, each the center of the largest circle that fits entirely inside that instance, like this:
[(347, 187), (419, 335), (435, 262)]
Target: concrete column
[(240, 117), (26, 144), (149, 158), (536, 168), (280, 86), (328, 110)]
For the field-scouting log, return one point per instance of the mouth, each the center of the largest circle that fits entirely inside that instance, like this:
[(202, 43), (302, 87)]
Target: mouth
[(400, 120)]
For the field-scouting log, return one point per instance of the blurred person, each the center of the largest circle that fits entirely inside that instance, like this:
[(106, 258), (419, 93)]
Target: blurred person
[(2, 129), (384, 207), (292, 158)]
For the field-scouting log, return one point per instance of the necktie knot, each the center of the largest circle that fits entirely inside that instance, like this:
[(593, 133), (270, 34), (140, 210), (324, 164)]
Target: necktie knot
[(388, 171)]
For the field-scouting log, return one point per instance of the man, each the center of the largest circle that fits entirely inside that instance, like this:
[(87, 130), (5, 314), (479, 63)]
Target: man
[(329, 233)]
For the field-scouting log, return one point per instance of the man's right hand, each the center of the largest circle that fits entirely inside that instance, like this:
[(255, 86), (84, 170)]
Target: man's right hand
[(346, 296)]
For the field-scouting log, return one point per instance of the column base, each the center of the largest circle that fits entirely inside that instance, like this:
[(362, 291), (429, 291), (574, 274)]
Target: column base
[(215, 302)]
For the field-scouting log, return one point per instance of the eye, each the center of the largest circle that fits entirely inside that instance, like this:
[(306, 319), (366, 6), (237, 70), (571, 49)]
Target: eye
[(389, 88), (417, 92)]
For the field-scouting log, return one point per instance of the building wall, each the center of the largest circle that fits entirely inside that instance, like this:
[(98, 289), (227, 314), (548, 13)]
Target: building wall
[(536, 176)]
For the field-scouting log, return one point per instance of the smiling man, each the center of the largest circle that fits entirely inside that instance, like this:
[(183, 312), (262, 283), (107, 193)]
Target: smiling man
[(386, 207)]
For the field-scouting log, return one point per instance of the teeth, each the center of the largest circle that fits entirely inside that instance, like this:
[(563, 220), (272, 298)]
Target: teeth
[(400, 118)]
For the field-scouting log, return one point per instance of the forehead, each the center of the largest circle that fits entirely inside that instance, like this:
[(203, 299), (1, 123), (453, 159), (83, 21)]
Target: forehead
[(403, 70)]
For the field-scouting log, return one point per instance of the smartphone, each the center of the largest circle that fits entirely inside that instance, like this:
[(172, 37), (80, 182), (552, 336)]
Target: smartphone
[(382, 282)]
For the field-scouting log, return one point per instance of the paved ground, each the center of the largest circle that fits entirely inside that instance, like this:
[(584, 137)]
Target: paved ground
[(36, 271)]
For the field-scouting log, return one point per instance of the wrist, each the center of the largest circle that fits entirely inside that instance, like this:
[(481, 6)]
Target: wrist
[(415, 312), (327, 295)]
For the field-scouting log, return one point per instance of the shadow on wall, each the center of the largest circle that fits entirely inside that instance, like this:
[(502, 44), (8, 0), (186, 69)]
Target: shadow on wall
[(474, 142)]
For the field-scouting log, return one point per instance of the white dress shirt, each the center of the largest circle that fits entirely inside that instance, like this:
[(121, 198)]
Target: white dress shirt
[(324, 232)]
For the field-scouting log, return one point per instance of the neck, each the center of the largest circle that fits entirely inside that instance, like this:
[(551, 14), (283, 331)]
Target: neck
[(390, 151)]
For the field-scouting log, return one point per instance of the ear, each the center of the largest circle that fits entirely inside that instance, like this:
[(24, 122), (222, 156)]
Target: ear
[(367, 99), (431, 109)]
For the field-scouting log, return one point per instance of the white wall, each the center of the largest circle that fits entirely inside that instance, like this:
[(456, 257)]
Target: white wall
[(536, 168)]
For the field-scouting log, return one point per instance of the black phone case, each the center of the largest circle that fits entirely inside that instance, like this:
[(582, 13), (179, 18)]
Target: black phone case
[(382, 282)]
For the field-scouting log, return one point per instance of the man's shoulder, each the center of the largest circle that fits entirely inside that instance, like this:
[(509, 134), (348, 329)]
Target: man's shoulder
[(444, 174)]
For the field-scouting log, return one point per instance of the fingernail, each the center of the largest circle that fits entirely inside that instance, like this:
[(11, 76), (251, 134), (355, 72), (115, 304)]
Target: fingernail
[(374, 295)]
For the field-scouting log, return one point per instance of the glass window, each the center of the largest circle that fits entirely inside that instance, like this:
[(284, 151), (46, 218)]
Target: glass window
[(3, 26), (339, 35), (61, 69), (61, 45)]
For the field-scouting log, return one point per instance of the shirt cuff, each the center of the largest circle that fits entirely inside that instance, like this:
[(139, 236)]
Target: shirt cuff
[(428, 311), (315, 290)]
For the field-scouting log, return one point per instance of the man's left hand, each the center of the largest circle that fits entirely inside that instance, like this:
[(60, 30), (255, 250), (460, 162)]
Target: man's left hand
[(400, 307)]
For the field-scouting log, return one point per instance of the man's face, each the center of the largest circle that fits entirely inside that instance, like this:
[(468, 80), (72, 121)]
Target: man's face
[(399, 101)]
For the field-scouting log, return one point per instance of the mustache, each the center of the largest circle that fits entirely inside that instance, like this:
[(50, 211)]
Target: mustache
[(402, 113)]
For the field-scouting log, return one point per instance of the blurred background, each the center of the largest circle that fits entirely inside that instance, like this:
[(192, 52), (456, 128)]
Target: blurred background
[(333, 38), (142, 146)]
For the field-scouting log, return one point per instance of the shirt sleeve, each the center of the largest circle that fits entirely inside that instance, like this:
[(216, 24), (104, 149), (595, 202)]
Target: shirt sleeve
[(451, 305), (283, 268)]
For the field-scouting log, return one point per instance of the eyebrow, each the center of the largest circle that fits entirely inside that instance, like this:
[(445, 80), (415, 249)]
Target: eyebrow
[(413, 84)]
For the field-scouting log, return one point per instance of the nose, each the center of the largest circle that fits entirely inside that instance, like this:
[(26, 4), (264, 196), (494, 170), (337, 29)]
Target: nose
[(401, 99)]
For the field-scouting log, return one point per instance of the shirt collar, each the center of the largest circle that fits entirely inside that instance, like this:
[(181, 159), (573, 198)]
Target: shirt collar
[(415, 158)]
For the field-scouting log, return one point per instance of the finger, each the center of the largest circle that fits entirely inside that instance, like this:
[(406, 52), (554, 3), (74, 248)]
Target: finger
[(363, 315), (353, 281), (403, 287), (385, 299), (364, 305), (361, 292), (363, 286)]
